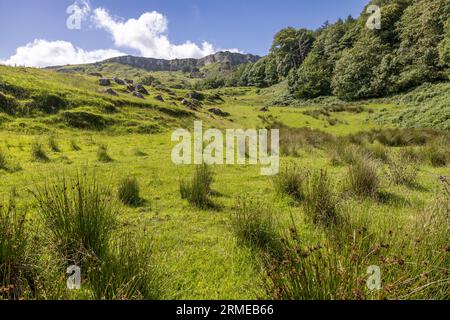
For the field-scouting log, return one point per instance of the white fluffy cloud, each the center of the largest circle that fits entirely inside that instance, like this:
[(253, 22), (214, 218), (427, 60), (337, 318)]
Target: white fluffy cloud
[(43, 53), (147, 34)]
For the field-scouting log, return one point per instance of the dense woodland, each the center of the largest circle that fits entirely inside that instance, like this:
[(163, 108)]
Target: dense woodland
[(351, 61)]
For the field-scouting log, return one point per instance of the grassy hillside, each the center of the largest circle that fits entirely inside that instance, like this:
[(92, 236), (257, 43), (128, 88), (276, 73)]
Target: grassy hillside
[(351, 193)]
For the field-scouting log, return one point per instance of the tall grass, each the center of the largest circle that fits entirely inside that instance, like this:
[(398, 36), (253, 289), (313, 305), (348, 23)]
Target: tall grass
[(362, 178), (402, 172), (79, 215), (254, 224), (102, 154), (53, 144), (38, 153), (74, 145), (197, 190), (126, 272), (321, 203), (290, 181), (128, 191), (3, 160), (14, 252)]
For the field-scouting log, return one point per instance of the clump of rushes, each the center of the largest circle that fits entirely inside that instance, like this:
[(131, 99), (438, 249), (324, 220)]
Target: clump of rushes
[(128, 191), (362, 178), (38, 153), (320, 203), (377, 151), (14, 252), (254, 224), (102, 154), (74, 145), (53, 144), (290, 181), (79, 214), (197, 190), (402, 172), (438, 156)]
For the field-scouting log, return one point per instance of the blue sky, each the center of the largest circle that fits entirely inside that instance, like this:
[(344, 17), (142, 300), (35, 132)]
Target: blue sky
[(208, 25)]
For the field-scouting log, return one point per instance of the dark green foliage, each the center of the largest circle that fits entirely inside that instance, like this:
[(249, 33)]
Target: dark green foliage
[(128, 191), (8, 104), (84, 120), (48, 103)]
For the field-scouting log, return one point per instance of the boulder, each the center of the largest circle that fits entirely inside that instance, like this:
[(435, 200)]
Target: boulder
[(195, 95), (129, 81), (130, 88), (138, 95), (191, 103), (219, 112), (159, 98), (104, 82), (110, 92), (119, 81)]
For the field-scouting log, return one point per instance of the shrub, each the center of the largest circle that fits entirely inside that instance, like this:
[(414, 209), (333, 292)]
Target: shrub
[(14, 252), (362, 178), (197, 190), (102, 154), (320, 202), (49, 103), (79, 215), (255, 226), (8, 104), (128, 191), (402, 172), (38, 153), (289, 182), (53, 144)]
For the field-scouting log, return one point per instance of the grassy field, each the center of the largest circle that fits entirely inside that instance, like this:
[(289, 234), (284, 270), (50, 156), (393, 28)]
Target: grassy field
[(351, 193)]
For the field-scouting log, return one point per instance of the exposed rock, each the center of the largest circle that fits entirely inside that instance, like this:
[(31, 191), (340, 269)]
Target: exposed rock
[(119, 81), (130, 88), (129, 81), (219, 112), (104, 82), (159, 98), (191, 103), (110, 91), (141, 89), (265, 109), (227, 59), (195, 95), (138, 95)]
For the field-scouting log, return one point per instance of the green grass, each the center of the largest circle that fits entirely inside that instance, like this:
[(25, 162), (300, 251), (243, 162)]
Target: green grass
[(209, 252)]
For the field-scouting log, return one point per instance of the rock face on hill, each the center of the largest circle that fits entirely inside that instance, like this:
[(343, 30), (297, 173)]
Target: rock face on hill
[(228, 59)]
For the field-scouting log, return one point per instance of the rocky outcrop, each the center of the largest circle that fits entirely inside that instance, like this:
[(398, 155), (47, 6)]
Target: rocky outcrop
[(110, 92), (119, 81), (229, 59), (219, 112)]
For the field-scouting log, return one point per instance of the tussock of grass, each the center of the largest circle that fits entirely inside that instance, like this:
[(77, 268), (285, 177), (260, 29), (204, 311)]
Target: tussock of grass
[(102, 154), (290, 181), (197, 190), (363, 179), (402, 172), (126, 272), (320, 203), (74, 145), (128, 191), (38, 153), (14, 252), (79, 215), (254, 224), (438, 156), (53, 144)]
